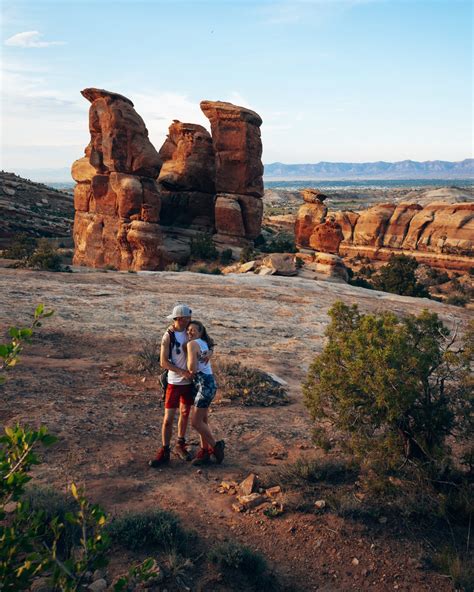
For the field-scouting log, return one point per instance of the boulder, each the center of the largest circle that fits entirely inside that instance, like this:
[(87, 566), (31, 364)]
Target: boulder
[(119, 139), (313, 196), (371, 225), (281, 263), (82, 171), (397, 227), (229, 218), (237, 146), (326, 237), (247, 486), (330, 265), (309, 215), (188, 159), (347, 221)]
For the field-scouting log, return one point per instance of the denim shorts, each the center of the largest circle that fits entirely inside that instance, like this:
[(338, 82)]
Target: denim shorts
[(206, 388)]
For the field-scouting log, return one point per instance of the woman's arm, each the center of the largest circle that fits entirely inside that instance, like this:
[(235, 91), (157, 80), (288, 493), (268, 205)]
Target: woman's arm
[(193, 351)]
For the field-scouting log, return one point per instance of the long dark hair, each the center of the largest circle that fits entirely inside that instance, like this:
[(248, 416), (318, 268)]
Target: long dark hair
[(204, 334)]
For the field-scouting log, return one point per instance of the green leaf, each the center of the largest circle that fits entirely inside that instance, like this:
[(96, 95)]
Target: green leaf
[(4, 350), (13, 332), (39, 310)]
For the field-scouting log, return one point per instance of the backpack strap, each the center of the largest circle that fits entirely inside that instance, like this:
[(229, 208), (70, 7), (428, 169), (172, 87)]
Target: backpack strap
[(173, 342)]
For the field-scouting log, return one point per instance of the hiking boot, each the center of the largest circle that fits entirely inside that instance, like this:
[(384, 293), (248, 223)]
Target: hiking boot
[(218, 451), (162, 458), (181, 451), (202, 458)]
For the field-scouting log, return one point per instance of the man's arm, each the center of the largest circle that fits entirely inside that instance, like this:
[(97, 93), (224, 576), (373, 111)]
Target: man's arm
[(164, 353)]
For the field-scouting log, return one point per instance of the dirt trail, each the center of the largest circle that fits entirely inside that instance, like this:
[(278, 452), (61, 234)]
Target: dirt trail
[(72, 379)]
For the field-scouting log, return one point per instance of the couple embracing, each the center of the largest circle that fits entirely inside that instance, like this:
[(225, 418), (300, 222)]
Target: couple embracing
[(185, 351)]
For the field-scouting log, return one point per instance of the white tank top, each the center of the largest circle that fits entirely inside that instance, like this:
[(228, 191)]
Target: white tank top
[(178, 359), (204, 367)]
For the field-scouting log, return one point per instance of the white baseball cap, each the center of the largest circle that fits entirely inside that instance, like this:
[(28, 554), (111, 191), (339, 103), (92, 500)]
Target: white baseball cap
[(180, 310)]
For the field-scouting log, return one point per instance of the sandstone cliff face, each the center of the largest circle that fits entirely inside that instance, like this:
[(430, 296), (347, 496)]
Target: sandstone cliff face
[(439, 234), (136, 208)]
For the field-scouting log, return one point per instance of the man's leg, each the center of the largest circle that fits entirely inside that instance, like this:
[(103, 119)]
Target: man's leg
[(167, 428), (171, 405), (184, 411), (180, 448)]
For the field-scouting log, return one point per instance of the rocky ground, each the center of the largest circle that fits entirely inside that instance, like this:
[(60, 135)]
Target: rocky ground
[(76, 378), (35, 209)]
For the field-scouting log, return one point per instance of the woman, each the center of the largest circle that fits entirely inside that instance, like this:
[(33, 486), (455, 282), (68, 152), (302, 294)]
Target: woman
[(198, 348)]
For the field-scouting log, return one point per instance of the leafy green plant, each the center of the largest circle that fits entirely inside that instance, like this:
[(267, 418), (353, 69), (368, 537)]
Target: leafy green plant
[(396, 388), (10, 352), (146, 573)]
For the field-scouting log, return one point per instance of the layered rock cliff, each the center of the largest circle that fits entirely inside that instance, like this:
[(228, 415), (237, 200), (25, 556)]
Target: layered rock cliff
[(439, 234), (138, 208)]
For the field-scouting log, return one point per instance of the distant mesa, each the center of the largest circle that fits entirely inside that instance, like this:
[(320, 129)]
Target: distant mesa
[(438, 234), (137, 208)]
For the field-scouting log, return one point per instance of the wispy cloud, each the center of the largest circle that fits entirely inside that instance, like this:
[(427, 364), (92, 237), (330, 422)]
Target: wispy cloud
[(30, 39)]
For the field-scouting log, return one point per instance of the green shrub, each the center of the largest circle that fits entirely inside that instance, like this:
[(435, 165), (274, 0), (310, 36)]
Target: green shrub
[(226, 256), (459, 566), (281, 243), (395, 388), (202, 247), (153, 530), (299, 262), (248, 385), (45, 257), (216, 271), (54, 505), (21, 247), (247, 254), (457, 300), (304, 471), (148, 358), (398, 277), (236, 557)]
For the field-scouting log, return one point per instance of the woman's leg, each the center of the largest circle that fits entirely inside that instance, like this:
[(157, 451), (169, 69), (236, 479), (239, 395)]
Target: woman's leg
[(200, 424)]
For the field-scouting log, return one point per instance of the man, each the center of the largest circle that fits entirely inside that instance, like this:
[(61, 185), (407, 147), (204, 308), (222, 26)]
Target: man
[(180, 390)]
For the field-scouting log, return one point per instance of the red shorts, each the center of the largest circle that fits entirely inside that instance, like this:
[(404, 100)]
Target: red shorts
[(179, 393)]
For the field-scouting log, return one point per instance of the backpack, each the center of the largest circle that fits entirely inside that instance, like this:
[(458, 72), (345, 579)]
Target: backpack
[(163, 378)]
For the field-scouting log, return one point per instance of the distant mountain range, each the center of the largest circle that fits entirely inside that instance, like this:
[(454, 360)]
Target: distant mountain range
[(404, 169)]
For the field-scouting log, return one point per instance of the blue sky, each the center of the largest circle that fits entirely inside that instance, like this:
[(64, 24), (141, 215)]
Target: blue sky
[(335, 80)]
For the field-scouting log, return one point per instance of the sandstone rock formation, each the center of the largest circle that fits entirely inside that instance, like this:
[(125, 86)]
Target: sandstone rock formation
[(136, 208), (312, 213), (439, 234), (239, 171)]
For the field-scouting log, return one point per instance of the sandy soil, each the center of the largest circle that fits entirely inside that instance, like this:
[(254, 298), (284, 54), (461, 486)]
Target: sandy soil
[(72, 379)]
